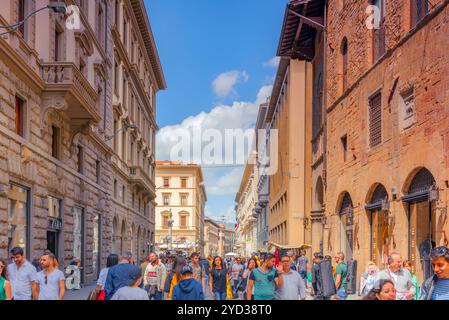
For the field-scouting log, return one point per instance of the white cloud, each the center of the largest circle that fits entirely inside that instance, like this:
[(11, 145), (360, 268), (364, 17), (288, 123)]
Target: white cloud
[(238, 115), (224, 84), (228, 214), (272, 63), (227, 184)]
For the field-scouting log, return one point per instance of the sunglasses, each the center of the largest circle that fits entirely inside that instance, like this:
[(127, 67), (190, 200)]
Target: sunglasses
[(439, 251)]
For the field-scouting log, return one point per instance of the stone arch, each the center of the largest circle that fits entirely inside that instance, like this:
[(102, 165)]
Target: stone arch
[(114, 235), (345, 210), (420, 180), (376, 193)]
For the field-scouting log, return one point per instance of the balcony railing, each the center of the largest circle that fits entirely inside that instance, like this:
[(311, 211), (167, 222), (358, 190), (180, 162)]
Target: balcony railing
[(141, 179), (64, 80)]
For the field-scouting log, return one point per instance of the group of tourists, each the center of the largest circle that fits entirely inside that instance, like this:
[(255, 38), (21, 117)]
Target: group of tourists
[(22, 280), (270, 277), (395, 282)]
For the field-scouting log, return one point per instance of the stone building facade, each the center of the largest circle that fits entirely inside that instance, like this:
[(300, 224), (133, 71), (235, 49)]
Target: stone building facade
[(56, 120), (246, 199), (180, 211), (387, 131)]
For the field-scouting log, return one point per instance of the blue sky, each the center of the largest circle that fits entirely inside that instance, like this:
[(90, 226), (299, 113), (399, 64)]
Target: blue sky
[(216, 58)]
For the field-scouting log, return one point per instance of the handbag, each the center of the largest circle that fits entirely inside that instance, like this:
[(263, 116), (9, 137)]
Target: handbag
[(93, 294)]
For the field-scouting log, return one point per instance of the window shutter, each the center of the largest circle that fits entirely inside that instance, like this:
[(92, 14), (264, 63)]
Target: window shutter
[(375, 120)]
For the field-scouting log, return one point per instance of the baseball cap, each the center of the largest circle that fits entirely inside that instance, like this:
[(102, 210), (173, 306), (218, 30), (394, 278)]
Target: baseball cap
[(186, 269), (134, 274)]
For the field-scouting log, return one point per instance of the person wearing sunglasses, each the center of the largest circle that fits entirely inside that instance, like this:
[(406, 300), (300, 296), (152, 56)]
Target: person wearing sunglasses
[(437, 286), (5, 285), (51, 281)]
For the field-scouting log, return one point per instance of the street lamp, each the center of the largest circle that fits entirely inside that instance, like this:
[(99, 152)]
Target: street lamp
[(57, 7), (125, 128)]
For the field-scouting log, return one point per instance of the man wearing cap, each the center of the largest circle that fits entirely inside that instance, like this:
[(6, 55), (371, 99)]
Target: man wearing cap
[(119, 275), (132, 291), (188, 288)]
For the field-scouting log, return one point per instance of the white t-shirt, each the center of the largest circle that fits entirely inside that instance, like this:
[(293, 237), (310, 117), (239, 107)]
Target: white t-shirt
[(102, 277), (49, 290)]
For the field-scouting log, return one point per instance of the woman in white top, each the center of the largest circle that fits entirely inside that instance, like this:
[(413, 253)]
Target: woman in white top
[(368, 279), (111, 261)]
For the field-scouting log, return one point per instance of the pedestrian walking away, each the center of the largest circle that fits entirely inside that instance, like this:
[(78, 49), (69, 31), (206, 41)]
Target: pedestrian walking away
[(265, 279), (118, 275), (437, 286), (132, 291), (22, 276), (111, 261), (174, 277), (5, 285), (51, 280), (188, 288), (154, 277), (303, 263), (293, 285)]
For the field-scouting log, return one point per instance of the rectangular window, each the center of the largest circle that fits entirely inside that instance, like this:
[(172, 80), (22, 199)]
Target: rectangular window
[(166, 182), (80, 159), (21, 17), (115, 189), (116, 77), (100, 23), (54, 207), (132, 200), (18, 217), (375, 120), (344, 145), (183, 221), (58, 44), (165, 219), (166, 199), (123, 194), (117, 12), (420, 8), (379, 34), (125, 86), (20, 116), (55, 142), (184, 199), (125, 31), (115, 135), (98, 170)]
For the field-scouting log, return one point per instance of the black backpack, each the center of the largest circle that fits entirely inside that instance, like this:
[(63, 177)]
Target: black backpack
[(351, 277), (327, 279)]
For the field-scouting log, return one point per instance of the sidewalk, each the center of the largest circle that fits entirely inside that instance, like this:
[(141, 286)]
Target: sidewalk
[(78, 294)]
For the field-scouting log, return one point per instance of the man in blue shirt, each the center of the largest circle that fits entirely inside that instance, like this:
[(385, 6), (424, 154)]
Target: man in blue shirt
[(118, 276), (437, 286)]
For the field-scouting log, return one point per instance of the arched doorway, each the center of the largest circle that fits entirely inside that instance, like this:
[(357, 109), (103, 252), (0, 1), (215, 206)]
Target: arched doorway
[(346, 213), (380, 237), (422, 222), (318, 217)]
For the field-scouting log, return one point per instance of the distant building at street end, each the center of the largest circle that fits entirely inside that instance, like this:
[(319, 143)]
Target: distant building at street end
[(181, 200)]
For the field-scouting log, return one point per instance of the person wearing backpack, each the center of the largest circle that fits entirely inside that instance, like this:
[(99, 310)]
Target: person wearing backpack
[(341, 273)]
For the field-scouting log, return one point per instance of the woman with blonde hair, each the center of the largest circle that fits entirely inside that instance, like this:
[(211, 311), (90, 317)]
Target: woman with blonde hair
[(368, 278)]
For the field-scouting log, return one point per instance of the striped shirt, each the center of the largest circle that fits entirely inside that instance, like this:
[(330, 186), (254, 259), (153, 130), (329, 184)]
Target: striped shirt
[(441, 290)]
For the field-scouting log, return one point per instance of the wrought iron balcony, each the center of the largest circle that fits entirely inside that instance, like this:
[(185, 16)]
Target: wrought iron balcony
[(67, 89), (141, 180)]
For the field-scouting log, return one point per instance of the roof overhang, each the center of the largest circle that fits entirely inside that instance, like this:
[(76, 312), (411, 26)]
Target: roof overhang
[(298, 34), (140, 13)]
